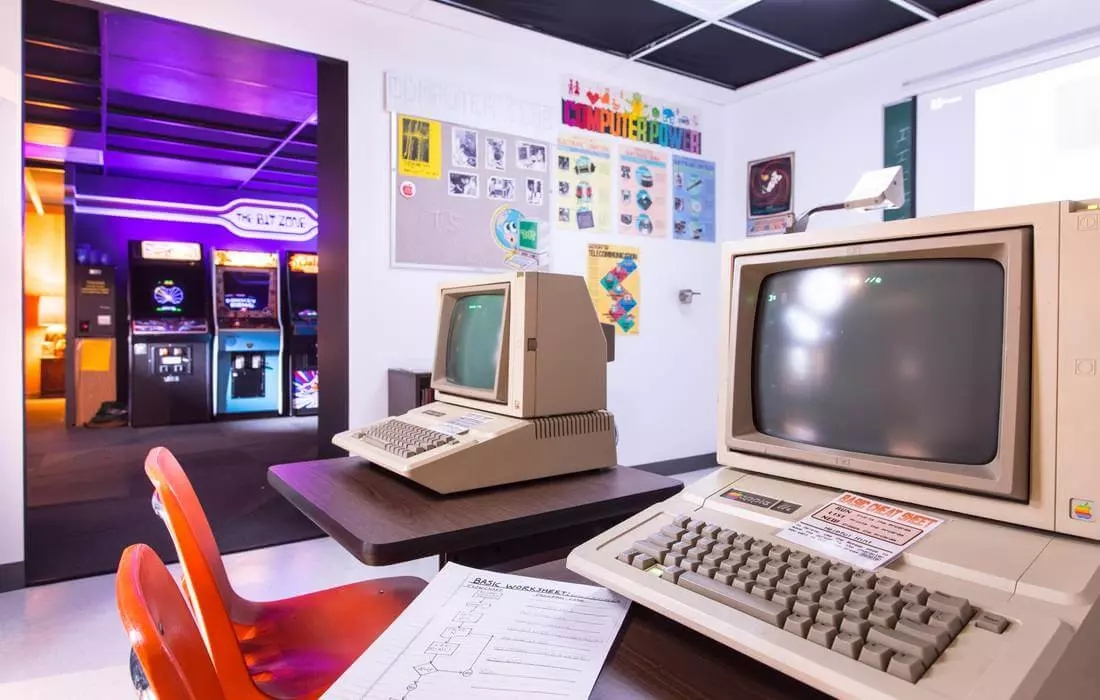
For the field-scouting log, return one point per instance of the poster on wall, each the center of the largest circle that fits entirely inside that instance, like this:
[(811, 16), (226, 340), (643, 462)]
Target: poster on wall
[(614, 283), (693, 199), (771, 194), (583, 183), (899, 147), (628, 114), (643, 192), (467, 198)]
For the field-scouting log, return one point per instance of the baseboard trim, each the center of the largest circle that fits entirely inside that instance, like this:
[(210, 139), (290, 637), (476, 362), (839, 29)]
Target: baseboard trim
[(680, 465), (13, 576)]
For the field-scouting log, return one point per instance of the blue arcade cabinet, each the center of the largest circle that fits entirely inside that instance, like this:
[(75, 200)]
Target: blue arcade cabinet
[(248, 337)]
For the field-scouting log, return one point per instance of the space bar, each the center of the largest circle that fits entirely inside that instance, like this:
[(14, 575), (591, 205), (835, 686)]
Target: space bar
[(766, 611)]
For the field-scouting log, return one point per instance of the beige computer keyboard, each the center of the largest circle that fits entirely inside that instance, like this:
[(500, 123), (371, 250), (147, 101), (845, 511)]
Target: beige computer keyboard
[(974, 610)]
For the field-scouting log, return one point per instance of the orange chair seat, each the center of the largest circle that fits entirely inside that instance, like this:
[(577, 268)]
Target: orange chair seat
[(298, 647)]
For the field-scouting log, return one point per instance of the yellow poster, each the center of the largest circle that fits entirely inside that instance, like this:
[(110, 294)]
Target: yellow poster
[(419, 147), (583, 185), (614, 283)]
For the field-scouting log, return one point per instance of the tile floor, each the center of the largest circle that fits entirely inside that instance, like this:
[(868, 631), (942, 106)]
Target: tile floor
[(64, 640)]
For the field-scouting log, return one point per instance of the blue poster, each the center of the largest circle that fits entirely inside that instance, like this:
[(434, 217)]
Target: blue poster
[(693, 192)]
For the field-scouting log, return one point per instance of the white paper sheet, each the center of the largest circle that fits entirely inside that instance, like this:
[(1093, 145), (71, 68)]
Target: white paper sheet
[(480, 634), (860, 531)]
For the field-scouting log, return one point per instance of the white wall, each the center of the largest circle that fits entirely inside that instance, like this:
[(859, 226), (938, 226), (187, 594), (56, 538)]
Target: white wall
[(831, 114), (11, 280), (662, 385)]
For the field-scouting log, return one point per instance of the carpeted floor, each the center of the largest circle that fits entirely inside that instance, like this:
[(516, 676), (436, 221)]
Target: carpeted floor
[(88, 496)]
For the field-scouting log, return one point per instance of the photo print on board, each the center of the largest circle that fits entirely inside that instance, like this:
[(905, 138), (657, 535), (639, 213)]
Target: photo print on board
[(563, 187), (495, 153), (531, 156), (502, 188), (563, 162), (534, 191), (462, 184), (463, 148)]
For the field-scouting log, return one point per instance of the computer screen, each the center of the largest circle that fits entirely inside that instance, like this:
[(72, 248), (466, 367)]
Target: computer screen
[(897, 358), (303, 295), (246, 290), (474, 339), (168, 291)]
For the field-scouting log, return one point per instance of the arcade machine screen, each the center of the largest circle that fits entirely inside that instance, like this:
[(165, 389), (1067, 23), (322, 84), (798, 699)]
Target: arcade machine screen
[(246, 290), (160, 292), (303, 288)]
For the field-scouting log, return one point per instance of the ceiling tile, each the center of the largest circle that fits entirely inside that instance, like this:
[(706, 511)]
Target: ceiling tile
[(618, 26), (825, 27), (942, 7), (723, 57)]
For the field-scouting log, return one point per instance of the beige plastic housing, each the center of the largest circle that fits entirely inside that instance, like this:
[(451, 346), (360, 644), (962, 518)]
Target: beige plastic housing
[(1050, 389), (553, 355)]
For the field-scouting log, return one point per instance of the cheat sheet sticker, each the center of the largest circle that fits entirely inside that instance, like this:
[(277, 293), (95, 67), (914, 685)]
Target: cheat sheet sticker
[(860, 531)]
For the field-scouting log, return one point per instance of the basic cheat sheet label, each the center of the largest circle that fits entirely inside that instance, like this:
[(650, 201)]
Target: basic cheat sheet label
[(860, 531)]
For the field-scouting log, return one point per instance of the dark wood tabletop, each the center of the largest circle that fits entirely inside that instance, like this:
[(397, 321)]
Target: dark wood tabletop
[(657, 658), (382, 518)]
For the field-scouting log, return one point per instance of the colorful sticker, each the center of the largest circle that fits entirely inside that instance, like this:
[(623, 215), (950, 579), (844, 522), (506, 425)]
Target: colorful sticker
[(1082, 509), (420, 147), (614, 283)]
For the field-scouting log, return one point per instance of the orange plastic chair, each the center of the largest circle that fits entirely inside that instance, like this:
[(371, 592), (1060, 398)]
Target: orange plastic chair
[(287, 649), (167, 655)]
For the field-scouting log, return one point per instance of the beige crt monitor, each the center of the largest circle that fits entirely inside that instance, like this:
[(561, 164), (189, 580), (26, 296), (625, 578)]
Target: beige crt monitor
[(520, 376), (945, 365)]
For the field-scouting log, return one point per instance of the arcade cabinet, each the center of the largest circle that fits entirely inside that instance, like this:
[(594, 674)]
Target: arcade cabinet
[(301, 338), (169, 334), (248, 338)]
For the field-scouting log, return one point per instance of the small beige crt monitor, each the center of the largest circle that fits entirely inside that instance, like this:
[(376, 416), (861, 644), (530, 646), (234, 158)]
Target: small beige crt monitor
[(939, 370), (520, 377)]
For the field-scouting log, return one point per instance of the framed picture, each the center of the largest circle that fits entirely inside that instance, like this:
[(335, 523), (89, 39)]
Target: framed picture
[(770, 196)]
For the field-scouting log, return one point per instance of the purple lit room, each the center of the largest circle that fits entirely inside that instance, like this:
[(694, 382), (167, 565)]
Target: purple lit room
[(527, 349)]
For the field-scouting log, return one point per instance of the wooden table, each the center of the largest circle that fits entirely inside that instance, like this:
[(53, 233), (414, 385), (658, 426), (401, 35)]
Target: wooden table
[(382, 518), (655, 657)]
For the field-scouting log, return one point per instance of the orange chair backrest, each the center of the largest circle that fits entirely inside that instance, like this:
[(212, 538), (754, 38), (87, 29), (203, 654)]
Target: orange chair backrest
[(213, 600), (162, 632)]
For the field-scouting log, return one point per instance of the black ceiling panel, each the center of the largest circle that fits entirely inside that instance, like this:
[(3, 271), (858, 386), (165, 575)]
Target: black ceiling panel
[(618, 26), (724, 57), (942, 7), (825, 27)]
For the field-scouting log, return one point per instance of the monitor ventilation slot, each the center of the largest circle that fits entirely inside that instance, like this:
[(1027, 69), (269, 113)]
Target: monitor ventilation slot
[(573, 424)]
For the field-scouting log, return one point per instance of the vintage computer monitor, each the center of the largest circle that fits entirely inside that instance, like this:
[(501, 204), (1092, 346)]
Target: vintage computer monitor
[(521, 386), (945, 365)]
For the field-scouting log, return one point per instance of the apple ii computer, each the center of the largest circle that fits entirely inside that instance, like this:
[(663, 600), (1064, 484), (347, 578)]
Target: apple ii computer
[(944, 366), (520, 378)]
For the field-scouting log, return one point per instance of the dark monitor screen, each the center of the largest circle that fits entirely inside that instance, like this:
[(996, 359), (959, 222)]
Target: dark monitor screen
[(473, 341), (246, 290), (167, 291), (303, 295), (897, 359)]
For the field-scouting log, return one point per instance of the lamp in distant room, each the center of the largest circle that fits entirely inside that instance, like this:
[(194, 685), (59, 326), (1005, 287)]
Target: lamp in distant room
[(876, 189)]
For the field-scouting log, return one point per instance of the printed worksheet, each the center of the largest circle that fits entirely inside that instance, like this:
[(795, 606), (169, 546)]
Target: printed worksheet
[(480, 634)]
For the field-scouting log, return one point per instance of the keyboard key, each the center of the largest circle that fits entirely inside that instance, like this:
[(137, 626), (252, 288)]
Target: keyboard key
[(695, 554), (757, 560), (711, 531), (810, 595), (798, 573), (729, 565), (946, 621), (797, 558), (916, 612), (761, 609), (766, 579), (864, 579), (876, 655), (672, 573), (822, 634), (723, 549), (906, 667), (643, 561), (708, 570), (673, 531), (887, 585), (841, 588), (819, 565), (936, 636), (787, 600), (662, 540), (725, 577), (900, 642), (738, 555), (830, 618), (818, 582), (681, 520), (779, 552), (882, 618), (682, 547), (706, 544), (690, 565), (695, 526), (742, 584), (912, 593), (743, 541), (951, 604), (779, 568), (798, 624), (786, 585), (726, 536), (714, 559), (833, 601), (628, 555), (806, 608), (760, 547), (840, 572), (854, 625), (747, 573), (863, 596), (890, 602), (848, 644), (860, 610), (762, 591), (673, 559), (651, 548), (992, 623)]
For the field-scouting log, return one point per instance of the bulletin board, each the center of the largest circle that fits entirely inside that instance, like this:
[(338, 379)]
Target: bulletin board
[(899, 147), (468, 198)]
